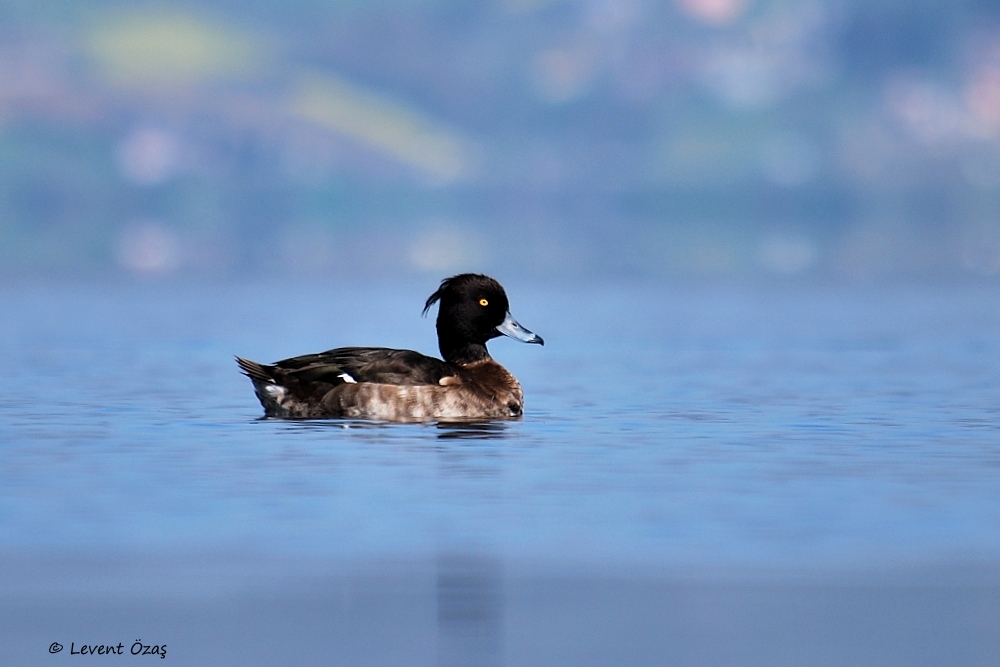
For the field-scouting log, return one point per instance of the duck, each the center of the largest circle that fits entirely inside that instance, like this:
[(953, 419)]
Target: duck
[(392, 385)]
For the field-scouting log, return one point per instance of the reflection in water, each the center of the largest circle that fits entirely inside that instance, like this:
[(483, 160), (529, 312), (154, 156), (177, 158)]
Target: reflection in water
[(488, 430), (470, 611), (321, 424), (463, 454), (472, 430)]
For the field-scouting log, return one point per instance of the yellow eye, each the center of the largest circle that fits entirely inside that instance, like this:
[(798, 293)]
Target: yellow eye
[(484, 302)]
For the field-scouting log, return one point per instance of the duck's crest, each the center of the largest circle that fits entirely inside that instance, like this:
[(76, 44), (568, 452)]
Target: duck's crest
[(454, 282)]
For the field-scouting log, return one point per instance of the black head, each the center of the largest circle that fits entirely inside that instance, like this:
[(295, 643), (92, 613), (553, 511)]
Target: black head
[(473, 309)]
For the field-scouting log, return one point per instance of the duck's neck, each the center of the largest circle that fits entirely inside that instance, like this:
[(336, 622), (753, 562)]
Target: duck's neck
[(463, 352)]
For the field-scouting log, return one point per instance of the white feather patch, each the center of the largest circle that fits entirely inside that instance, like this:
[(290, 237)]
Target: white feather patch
[(347, 378), (276, 392)]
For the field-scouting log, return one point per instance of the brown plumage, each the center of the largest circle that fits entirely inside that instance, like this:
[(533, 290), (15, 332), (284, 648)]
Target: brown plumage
[(402, 385)]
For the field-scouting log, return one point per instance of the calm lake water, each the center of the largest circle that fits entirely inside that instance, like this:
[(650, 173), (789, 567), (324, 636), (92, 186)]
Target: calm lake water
[(766, 475)]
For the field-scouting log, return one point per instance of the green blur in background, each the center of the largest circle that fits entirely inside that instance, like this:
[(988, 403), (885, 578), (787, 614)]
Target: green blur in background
[(719, 139)]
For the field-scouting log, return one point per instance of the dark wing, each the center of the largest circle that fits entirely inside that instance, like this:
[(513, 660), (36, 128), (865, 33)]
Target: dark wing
[(367, 364)]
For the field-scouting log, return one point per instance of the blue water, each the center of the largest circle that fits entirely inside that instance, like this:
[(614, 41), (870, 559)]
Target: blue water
[(808, 433)]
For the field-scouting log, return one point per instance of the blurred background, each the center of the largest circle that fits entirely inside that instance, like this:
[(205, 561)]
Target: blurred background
[(652, 139)]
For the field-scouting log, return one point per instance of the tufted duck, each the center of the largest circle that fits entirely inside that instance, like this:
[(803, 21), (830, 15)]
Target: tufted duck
[(402, 385)]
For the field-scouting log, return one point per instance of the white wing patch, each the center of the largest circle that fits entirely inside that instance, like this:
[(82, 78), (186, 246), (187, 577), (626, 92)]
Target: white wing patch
[(347, 378)]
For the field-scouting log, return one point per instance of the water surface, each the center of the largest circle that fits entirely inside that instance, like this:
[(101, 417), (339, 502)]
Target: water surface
[(822, 437)]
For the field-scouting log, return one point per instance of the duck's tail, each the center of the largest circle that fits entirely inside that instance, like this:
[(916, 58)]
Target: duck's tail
[(269, 391), (254, 371)]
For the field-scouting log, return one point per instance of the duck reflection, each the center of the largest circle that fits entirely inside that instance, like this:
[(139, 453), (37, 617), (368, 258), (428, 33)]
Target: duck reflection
[(472, 430), (470, 611)]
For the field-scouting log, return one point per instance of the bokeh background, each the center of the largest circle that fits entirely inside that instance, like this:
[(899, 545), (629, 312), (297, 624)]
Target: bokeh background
[(654, 139)]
